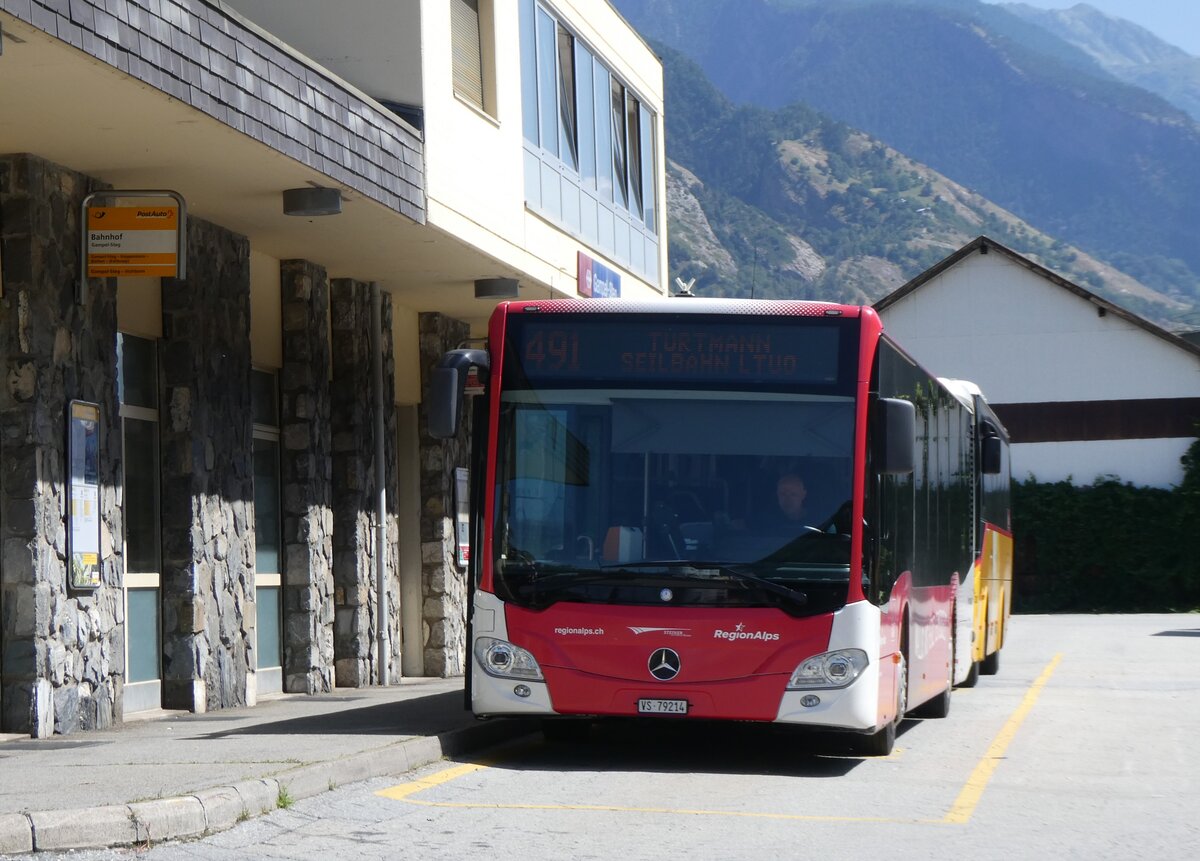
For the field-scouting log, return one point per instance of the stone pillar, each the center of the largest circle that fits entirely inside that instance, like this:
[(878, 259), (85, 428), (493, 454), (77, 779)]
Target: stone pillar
[(390, 440), (207, 476), (306, 455), (392, 560), (62, 651), (444, 585), (353, 422)]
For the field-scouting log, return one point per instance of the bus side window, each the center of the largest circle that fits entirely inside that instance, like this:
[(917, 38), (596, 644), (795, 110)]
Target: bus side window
[(886, 533)]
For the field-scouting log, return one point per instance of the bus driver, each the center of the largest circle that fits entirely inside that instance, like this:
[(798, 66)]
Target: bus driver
[(790, 494)]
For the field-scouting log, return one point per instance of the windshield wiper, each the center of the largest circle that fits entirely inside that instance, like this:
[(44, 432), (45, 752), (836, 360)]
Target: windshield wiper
[(693, 570), (539, 583), (739, 572)]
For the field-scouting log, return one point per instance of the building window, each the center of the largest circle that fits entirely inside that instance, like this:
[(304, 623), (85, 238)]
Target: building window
[(600, 91), (546, 108), (466, 51), (589, 144), (566, 99), (137, 391), (140, 439), (268, 534), (633, 125), (585, 115), (648, 187), (266, 503), (620, 164)]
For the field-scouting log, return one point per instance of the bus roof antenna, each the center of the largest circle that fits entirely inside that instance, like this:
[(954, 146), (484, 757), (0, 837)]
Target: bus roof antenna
[(685, 289)]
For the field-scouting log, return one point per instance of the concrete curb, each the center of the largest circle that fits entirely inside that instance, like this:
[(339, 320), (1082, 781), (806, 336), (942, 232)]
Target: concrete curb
[(211, 810), (84, 828), (16, 833)]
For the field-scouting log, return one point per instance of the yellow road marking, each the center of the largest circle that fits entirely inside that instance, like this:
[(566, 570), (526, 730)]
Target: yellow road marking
[(972, 792), (404, 790), (959, 814), (610, 808)]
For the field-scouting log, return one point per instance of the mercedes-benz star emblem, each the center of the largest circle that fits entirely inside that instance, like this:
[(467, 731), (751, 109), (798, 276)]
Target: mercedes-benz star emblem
[(664, 665)]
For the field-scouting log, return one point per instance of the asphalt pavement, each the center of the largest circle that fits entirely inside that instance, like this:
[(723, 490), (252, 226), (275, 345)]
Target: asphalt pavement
[(171, 775)]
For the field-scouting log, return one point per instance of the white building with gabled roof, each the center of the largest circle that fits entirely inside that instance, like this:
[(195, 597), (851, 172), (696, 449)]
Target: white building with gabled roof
[(1086, 389)]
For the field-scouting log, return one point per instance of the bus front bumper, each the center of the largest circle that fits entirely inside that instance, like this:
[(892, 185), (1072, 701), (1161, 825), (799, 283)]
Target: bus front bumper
[(567, 692)]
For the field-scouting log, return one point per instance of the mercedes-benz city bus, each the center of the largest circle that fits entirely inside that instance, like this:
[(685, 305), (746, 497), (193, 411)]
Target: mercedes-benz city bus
[(632, 552)]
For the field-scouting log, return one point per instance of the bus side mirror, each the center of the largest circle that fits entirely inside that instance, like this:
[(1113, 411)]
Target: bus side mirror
[(447, 384), (898, 423), (989, 455)]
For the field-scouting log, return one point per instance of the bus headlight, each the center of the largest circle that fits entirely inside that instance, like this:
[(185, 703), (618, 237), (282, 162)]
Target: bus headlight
[(504, 660), (829, 670)]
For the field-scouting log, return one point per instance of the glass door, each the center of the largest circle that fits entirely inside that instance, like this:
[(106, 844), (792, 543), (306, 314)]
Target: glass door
[(137, 376), (268, 573)]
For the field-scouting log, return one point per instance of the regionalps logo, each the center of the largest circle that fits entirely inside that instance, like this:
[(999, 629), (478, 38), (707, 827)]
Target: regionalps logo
[(739, 632)]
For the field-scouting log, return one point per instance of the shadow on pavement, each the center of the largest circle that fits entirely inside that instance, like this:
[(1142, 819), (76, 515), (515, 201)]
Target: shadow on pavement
[(429, 715), (692, 747)]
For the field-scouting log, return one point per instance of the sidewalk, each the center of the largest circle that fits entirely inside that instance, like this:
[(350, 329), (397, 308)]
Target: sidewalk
[(182, 775)]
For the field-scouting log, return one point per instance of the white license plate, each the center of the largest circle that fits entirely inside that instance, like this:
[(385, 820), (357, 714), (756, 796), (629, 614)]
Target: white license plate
[(662, 707)]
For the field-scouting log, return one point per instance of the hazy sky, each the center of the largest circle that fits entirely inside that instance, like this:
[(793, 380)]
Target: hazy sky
[(1174, 21)]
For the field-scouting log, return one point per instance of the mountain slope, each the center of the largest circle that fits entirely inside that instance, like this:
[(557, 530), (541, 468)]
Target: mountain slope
[(1125, 50), (791, 203), (993, 102)]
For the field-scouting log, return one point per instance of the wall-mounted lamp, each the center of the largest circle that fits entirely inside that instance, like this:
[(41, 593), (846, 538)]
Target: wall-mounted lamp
[(496, 288), (312, 201)]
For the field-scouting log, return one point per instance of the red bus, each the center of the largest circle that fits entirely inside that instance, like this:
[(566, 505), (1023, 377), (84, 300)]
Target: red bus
[(715, 509)]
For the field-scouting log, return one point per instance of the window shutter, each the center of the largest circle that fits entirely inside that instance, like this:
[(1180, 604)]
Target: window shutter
[(464, 43)]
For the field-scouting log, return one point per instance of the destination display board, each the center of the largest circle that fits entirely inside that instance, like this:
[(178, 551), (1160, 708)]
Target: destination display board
[(685, 349)]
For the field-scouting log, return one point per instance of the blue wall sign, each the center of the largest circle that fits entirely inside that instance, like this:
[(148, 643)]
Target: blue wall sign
[(596, 280)]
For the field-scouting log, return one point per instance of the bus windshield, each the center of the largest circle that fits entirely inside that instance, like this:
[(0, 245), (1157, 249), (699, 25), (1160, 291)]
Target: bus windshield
[(636, 490)]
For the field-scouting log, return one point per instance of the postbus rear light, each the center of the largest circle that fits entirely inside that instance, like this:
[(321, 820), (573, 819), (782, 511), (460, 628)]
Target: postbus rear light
[(834, 669)]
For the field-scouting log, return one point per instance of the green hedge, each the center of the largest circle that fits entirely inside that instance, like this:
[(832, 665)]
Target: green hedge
[(1108, 547)]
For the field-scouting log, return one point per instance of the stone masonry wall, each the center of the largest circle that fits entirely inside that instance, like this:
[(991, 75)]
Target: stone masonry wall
[(306, 474), (62, 652), (356, 658), (444, 585), (208, 605)]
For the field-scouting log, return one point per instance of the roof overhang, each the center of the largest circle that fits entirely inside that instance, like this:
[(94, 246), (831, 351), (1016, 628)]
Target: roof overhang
[(61, 103)]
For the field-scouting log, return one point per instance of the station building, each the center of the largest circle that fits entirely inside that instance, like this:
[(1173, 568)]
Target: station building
[(217, 484)]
